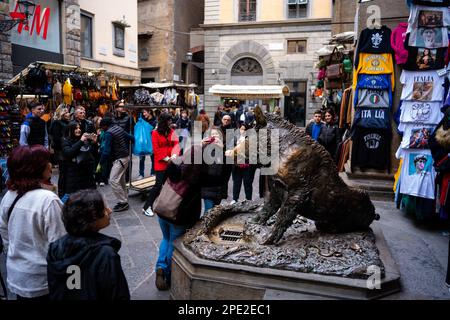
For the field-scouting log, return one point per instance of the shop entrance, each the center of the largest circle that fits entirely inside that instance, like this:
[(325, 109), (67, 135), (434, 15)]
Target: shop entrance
[(295, 103)]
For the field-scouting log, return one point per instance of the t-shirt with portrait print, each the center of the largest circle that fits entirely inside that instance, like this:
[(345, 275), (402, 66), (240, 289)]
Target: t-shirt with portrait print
[(373, 63), (416, 136), (420, 112), (431, 38), (422, 85), (418, 174), (428, 17), (422, 59), (373, 98)]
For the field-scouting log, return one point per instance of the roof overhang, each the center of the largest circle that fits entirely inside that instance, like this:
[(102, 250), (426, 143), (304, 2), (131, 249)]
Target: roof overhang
[(249, 92)]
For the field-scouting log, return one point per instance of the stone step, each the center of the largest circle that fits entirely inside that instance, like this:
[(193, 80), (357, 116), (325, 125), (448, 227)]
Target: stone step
[(377, 189)]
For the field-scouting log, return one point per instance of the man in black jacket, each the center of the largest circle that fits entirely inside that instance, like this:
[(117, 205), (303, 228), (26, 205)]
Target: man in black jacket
[(80, 117), (34, 130), (116, 148)]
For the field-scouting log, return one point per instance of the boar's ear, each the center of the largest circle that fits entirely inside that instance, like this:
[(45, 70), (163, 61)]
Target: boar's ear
[(260, 118)]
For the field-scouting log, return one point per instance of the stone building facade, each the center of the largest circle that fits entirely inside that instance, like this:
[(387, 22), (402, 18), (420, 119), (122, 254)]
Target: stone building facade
[(283, 44), (55, 35), (164, 39), (6, 68)]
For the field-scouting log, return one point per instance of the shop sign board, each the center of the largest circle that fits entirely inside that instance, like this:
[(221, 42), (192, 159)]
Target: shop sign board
[(43, 28)]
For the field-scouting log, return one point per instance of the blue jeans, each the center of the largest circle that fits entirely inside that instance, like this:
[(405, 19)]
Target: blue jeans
[(209, 204), (170, 232), (142, 165)]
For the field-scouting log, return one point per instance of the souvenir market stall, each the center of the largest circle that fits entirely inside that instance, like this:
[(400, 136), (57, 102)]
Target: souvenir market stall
[(425, 86), (270, 96), (160, 95)]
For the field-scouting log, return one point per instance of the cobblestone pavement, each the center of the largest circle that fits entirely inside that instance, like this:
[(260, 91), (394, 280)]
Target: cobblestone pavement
[(420, 252)]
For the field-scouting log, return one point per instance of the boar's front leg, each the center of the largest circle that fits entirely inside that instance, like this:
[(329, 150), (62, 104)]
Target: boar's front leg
[(278, 192), (293, 205)]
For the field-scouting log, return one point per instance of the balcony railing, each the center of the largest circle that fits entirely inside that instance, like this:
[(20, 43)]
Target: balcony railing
[(243, 17)]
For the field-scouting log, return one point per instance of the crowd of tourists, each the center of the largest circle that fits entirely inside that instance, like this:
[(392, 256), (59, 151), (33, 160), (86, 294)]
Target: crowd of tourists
[(53, 232)]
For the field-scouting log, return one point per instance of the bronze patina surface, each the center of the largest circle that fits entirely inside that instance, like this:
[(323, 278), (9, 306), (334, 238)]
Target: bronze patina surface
[(227, 234)]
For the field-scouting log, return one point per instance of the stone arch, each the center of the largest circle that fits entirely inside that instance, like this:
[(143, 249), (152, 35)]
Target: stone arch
[(249, 49)]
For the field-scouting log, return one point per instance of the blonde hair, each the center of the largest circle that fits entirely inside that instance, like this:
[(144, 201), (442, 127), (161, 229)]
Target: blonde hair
[(60, 111)]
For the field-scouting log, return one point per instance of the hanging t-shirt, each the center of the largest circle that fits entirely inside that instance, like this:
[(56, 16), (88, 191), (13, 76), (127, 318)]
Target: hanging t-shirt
[(374, 41), (371, 148), (422, 59), (373, 98), (372, 118), (431, 38), (426, 17), (420, 112), (374, 81), (418, 174), (422, 86), (372, 63), (415, 136), (431, 3)]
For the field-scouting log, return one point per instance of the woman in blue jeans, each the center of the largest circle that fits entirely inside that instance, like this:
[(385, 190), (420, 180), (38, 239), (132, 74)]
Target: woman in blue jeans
[(188, 214)]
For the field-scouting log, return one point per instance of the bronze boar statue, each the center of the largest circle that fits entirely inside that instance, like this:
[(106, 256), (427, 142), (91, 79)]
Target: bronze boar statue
[(307, 183)]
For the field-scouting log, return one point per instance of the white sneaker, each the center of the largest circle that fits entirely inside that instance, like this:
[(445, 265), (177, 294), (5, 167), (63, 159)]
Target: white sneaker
[(140, 177), (148, 212), (102, 184)]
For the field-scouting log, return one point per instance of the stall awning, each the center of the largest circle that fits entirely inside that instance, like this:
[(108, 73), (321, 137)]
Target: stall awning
[(161, 85), (249, 92)]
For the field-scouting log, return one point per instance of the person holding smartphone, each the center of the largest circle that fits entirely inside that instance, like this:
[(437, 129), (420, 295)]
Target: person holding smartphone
[(79, 151)]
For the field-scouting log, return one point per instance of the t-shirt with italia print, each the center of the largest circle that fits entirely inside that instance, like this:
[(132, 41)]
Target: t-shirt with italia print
[(374, 41), (422, 86), (373, 98), (372, 118), (420, 112), (371, 148)]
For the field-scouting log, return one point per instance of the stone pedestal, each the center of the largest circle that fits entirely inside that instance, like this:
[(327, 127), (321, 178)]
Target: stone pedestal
[(194, 278)]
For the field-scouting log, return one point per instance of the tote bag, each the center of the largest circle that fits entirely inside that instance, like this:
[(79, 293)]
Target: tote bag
[(169, 200)]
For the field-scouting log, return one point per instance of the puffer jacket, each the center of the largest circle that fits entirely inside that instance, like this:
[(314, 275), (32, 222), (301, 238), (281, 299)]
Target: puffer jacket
[(330, 138), (77, 176), (96, 255)]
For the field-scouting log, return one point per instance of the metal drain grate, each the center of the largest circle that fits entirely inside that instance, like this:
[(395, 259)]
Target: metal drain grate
[(233, 236)]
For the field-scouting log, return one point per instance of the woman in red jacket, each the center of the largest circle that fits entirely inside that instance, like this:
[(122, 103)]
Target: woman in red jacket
[(165, 148)]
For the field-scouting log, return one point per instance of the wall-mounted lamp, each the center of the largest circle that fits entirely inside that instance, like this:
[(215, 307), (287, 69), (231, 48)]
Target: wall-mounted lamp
[(25, 9)]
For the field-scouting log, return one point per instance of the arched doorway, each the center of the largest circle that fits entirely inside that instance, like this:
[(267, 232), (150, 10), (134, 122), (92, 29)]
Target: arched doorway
[(246, 72)]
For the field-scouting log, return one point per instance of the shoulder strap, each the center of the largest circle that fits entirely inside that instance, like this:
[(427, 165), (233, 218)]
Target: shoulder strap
[(13, 205)]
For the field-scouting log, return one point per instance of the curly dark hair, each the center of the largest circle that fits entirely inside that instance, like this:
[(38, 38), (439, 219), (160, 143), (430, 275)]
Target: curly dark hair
[(26, 166), (82, 210)]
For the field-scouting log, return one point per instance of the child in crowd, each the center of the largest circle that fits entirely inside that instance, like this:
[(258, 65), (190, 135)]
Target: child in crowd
[(85, 264)]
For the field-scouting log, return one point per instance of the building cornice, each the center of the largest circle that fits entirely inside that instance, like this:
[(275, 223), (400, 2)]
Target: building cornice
[(258, 24)]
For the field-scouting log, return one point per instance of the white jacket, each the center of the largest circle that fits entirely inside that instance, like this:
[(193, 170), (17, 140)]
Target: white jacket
[(35, 222)]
